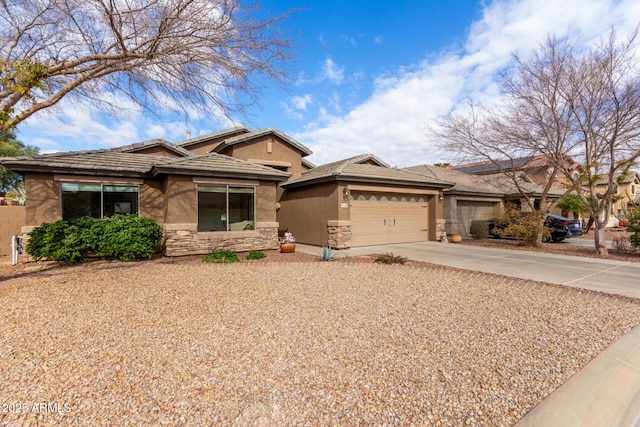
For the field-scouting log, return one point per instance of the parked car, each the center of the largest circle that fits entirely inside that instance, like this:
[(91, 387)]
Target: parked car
[(575, 229), (558, 231)]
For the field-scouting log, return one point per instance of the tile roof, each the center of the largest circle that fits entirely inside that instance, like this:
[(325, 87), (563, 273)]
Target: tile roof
[(218, 165), (115, 163), (493, 167), (215, 135), (95, 162), (464, 183), (348, 169), (259, 133), (132, 148)]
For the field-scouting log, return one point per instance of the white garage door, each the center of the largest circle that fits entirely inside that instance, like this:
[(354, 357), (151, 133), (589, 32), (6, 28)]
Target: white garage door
[(468, 211), (378, 220)]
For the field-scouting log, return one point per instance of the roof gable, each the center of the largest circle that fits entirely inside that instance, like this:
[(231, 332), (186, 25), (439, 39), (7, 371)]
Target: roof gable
[(353, 169), (158, 147), (493, 167), (205, 143), (255, 135)]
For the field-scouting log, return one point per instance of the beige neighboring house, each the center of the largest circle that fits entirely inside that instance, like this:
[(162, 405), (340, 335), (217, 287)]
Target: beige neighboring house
[(628, 195), (534, 168), (478, 197)]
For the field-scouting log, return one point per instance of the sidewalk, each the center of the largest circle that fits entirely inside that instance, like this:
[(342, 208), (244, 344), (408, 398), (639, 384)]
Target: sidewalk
[(606, 392)]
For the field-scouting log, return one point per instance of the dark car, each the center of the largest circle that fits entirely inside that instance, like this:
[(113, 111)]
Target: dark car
[(573, 225), (558, 231)]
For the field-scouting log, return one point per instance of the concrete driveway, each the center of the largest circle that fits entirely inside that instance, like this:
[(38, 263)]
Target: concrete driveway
[(616, 277)]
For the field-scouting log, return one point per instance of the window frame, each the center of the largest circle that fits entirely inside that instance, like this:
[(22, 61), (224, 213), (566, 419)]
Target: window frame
[(102, 184), (226, 186)]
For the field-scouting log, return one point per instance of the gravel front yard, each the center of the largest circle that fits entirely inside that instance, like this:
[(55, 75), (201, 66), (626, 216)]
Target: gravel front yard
[(289, 344)]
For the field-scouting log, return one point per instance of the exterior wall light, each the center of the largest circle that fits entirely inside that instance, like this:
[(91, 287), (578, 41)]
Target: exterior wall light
[(346, 193)]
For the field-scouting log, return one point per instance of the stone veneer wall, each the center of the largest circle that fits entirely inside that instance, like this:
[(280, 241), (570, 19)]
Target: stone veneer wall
[(184, 239), (441, 234), (339, 234)]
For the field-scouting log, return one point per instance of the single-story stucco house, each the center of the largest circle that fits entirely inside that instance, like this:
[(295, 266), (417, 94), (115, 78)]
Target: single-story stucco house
[(236, 189)]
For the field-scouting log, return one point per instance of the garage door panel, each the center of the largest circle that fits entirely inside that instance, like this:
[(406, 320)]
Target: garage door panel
[(384, 222), (468, 211)]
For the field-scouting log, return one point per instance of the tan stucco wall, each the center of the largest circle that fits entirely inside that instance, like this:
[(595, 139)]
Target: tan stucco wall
[(43, 199), (181, 201), (305, 212), (152, 199), (12, 219), (257, 150), (204, 147)]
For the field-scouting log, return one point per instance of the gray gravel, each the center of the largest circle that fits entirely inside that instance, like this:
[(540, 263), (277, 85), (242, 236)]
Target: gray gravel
[(289, 344)]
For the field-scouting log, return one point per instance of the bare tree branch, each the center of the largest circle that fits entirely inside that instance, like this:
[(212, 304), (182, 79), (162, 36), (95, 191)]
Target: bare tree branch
[(173, 54)]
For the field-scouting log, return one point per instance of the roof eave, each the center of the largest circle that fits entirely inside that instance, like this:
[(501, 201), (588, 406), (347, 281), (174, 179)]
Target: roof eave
[(219, 174)]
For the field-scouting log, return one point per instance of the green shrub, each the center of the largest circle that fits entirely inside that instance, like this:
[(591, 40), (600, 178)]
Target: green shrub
[(389, 258), (523, 226), (123, 237), (479, 229), (57, 241), (633, 226), (224, 256), (253, 255)]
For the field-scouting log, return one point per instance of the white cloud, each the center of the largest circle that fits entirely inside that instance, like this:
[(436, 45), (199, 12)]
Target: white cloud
[(378, 39), (393, 122), (301, 102), (332, 72)]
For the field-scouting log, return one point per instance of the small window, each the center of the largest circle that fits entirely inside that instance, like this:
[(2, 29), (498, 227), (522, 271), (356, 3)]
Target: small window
[(384, 199), (226, 208), (421, 200), (403, 199), (394, 199), (373, 198), (412, 200), (362, 198)]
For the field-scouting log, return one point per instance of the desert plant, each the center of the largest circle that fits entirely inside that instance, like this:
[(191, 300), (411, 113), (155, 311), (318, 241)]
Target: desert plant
[(221, 256), (389, 258), (254, 255), (479, 229), (621, 244), (633, 226), (524, 226), (327, 254)]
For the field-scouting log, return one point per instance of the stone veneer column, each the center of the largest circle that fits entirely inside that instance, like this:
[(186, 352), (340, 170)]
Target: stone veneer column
[(184, 239), (339, 234), (441, 234)]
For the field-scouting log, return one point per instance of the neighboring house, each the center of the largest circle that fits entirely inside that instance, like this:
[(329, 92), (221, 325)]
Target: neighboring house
[(536, 168), (477, 197), (627, 194), (471, 198), (362, 201), (202, 201)]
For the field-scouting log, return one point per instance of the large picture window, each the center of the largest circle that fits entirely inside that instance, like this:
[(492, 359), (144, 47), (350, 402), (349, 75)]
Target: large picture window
[(226, 208), (98, 200)]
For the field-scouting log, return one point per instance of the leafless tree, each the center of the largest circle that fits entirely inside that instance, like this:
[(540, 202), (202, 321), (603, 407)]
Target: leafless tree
[(166, 55), (561, 103)]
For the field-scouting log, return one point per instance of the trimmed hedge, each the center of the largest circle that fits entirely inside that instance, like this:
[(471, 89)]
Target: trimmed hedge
[(121, 237)]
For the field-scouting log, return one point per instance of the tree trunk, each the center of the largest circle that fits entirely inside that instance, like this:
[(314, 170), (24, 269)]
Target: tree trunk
[(600, 241)]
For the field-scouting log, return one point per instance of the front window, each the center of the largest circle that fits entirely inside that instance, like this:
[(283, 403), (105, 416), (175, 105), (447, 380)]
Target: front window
[(226, 208), (98, 200)]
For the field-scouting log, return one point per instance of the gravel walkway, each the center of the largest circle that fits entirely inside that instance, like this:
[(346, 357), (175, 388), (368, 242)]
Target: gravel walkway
[(289, 344)]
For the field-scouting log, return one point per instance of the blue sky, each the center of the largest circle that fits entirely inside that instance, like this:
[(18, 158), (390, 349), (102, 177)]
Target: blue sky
[(370, 76)]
